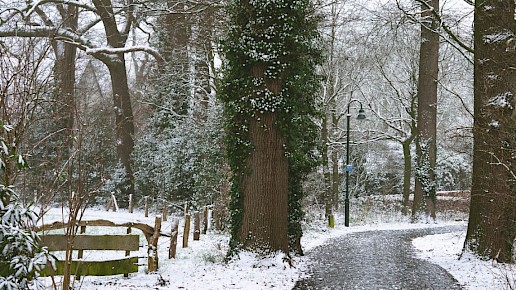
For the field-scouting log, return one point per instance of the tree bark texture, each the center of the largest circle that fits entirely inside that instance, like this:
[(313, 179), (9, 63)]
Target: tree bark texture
[(124, 122), (65, 76), (427, 103), (492, 220), (265, 188)]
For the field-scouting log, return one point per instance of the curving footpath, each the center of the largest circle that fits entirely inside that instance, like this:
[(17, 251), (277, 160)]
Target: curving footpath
[(376, 260)]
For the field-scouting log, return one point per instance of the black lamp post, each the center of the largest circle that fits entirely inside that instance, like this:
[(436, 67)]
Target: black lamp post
[(360, 116)]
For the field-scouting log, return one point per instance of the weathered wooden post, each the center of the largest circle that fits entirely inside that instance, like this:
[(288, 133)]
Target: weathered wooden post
[(165, 205), (115, 203), (80, 253), (173, 239), (153, 246), (131, 203), (197, 226), (205, 220), (109, 204), (218, 221), (146, 206), (127, 253), (186, 231)]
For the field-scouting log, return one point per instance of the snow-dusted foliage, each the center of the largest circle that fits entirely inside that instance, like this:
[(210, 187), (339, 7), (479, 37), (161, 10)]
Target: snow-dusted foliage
[(21, 258), (181, 162), (453, 171)]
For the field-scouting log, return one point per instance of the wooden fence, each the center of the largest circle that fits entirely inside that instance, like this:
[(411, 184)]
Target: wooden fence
[(81, 242)]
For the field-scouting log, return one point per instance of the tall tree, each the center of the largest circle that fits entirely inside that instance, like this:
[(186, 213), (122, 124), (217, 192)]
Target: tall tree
[(492, 220), (427, 109), (117, 21), (269, 95)]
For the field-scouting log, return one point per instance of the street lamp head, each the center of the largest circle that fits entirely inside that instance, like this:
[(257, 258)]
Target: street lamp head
[(361, 114)]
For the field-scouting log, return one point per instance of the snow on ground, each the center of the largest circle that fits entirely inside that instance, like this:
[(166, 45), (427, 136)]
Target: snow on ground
[(472, 273), (200, 266)]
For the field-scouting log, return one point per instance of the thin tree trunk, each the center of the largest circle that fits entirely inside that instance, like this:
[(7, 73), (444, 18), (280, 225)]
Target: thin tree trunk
[(328, 202), (407, 173), (335, 180)]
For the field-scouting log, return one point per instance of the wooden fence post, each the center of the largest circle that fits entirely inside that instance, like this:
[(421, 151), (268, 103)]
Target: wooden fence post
[(205, 220), (131, 203), (109, 204), (165, 205), (153, 246), (218, 222), (127, 253), (173, 239), (115, 203), (197, 226), (80, 253), (146, 206), (186, 231)]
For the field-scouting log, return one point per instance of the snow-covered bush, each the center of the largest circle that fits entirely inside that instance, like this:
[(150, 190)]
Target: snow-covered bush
[(21, 257)]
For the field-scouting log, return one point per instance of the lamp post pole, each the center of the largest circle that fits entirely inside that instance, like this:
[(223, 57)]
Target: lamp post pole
[(346, 200), (360, 116)]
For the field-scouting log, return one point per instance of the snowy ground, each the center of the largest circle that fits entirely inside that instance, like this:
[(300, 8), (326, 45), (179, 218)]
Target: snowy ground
[(200, 265)]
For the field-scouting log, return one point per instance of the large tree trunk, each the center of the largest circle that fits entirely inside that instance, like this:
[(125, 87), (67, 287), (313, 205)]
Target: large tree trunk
[(124, 121), (427, 110), (265, 188), (492, 219)]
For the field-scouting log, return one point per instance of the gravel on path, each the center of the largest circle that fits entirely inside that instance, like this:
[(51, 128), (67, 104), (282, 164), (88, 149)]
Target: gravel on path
[(376, 260)]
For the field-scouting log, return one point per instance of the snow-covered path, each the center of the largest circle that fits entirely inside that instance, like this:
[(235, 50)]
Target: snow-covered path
[(376, 260)]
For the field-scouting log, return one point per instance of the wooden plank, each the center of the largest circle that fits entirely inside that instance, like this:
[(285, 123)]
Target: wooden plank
[(93, 242), (93, 268)]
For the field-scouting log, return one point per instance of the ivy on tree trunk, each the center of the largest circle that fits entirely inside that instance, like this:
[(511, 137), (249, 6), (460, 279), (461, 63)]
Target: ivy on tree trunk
[(269, 89)]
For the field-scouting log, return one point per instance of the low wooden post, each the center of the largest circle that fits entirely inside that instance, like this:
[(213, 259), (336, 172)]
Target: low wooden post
[(197, 226), (127, 253), (80, 253), (165, 205), (153, 246), (131, 203), (109, 204), (205, 220), (173, 239), (115, 203), (146, 206), (218, 222), (186, 231)]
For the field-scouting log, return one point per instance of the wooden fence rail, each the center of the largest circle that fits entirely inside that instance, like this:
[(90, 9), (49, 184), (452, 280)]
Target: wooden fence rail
[(127, 243), (58, 242)]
